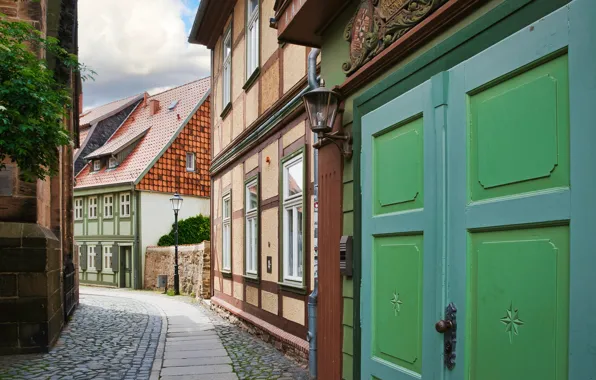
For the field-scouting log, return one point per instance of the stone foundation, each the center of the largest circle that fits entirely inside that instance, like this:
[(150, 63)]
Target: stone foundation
[(194, 266), (31, 310), (283, 341)]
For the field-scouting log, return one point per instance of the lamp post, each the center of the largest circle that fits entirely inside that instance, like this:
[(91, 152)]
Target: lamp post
[(176, 201)]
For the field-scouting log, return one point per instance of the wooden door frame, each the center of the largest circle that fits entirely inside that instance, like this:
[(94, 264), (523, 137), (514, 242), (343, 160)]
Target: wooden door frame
[(464, 44)]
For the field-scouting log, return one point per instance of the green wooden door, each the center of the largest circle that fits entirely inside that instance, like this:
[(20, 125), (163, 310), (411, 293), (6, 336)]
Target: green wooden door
[(515, 167), (399, 239), (498, 218)]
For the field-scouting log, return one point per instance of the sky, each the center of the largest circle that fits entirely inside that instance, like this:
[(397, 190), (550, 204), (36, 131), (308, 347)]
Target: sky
[(136, 46)]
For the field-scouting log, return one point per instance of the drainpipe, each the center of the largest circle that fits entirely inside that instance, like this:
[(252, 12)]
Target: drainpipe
[(312, 298)]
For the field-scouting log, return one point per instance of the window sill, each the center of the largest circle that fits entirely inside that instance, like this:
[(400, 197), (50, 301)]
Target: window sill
[(252, 278), (293, 288), (226, 274), (252, 79), (226, 110)]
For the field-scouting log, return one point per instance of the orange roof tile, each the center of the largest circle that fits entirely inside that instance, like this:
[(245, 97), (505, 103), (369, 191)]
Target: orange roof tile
[(160, 128)]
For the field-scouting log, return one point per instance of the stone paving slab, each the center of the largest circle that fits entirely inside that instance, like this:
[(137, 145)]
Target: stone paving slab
[(212, 376), (195, 354), (197, 370), (197, 361)]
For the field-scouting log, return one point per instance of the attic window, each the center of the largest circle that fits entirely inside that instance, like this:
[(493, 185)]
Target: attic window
[(96, 165), (190, 162), (112, 162), (173, 105)]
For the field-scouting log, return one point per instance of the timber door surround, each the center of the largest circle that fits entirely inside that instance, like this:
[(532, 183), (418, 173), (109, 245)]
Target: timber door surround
[(125, 258), (477, 190)]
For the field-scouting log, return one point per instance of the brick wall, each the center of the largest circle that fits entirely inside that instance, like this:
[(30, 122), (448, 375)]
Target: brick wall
[(169, 174), (194, 265)]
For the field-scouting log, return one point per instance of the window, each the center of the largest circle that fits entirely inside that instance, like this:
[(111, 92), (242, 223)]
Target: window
[(190, 162), (107, 258), (251, 206), (79, 209), (112, 162), (92, 207), (293, 183), (125, 204), (227, 234), (96, 165), (108, 206), (252, 47), (91, 257), (227, 67)]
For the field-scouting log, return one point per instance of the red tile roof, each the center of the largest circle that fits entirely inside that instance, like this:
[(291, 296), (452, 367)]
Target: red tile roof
[(160, 127), (96, 114)]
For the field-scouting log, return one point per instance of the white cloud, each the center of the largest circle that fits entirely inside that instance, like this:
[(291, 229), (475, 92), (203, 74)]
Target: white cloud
[(136, 46)]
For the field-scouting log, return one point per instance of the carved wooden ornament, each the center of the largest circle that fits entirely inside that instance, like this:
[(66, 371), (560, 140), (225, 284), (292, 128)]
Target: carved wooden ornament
[(379, 23)]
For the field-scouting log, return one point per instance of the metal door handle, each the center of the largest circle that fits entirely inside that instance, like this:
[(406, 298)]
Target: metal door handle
[(443, 326), (448, 327)]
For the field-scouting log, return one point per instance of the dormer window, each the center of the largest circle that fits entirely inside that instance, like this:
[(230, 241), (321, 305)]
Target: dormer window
[(96, 165), (112, 162)]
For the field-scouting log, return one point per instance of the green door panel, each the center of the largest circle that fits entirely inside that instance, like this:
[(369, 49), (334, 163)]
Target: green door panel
[(519, 304), (397, 303), (399, 284), (484, 198), (398, 186), (519, 133)]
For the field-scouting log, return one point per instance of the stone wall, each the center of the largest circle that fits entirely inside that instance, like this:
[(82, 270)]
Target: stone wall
[(31, 310), (194, 266)]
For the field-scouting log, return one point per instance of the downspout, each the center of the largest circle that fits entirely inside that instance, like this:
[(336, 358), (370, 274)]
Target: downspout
[(313, 83), (138, 280)]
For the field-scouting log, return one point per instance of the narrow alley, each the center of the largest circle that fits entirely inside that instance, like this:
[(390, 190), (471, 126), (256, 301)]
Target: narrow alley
[(124, 334)]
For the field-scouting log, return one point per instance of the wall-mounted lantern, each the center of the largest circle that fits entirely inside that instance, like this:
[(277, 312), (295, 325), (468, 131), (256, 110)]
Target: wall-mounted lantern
[(322, 105)]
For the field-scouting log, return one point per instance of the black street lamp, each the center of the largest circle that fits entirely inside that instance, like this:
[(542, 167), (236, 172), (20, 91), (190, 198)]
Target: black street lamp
[(176, 201)]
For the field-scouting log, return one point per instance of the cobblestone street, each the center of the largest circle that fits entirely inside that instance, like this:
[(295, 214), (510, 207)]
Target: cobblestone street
[(123, 334)]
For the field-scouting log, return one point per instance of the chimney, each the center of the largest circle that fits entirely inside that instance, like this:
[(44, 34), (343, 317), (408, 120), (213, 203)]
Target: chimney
[(145, 97), (153, 107)]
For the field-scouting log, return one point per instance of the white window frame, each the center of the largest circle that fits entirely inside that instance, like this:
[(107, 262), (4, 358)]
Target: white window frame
[(291, 205), (91, 253), (78, 209), (96, 165), (92, 207), (252, 39), (251, 227), (108, 206), (125, 205), (112, 163), (226, 243), (107, 258), (227, 68), (190, 161)]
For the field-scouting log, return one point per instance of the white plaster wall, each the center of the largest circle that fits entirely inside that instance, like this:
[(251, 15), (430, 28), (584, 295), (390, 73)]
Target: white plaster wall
[(157, 216)]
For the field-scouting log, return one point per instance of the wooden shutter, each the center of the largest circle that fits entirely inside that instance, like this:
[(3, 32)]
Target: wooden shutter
[(98, 257), (84, 254), (115, 258)]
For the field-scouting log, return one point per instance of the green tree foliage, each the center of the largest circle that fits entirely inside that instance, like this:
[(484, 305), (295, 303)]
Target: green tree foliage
[(33, 103), (193, 230)]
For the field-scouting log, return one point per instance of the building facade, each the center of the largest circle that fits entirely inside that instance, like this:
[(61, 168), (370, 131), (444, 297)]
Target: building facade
[(121, 201), (37, 267), (262, 171), (468, 194)]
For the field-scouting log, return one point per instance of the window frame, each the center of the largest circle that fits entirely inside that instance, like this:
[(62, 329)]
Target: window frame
[(292, 203), (90, 260), (253, 40), (96, 165), (109, 215), (226, 71), (112, 163), (124, 203), (251, 215), (193, 161), (226, 246), (78, 208), (107, 253), (92, 206)]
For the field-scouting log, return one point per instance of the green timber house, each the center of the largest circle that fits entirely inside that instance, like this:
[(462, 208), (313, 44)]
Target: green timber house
[(470, 191), (121, 196)]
